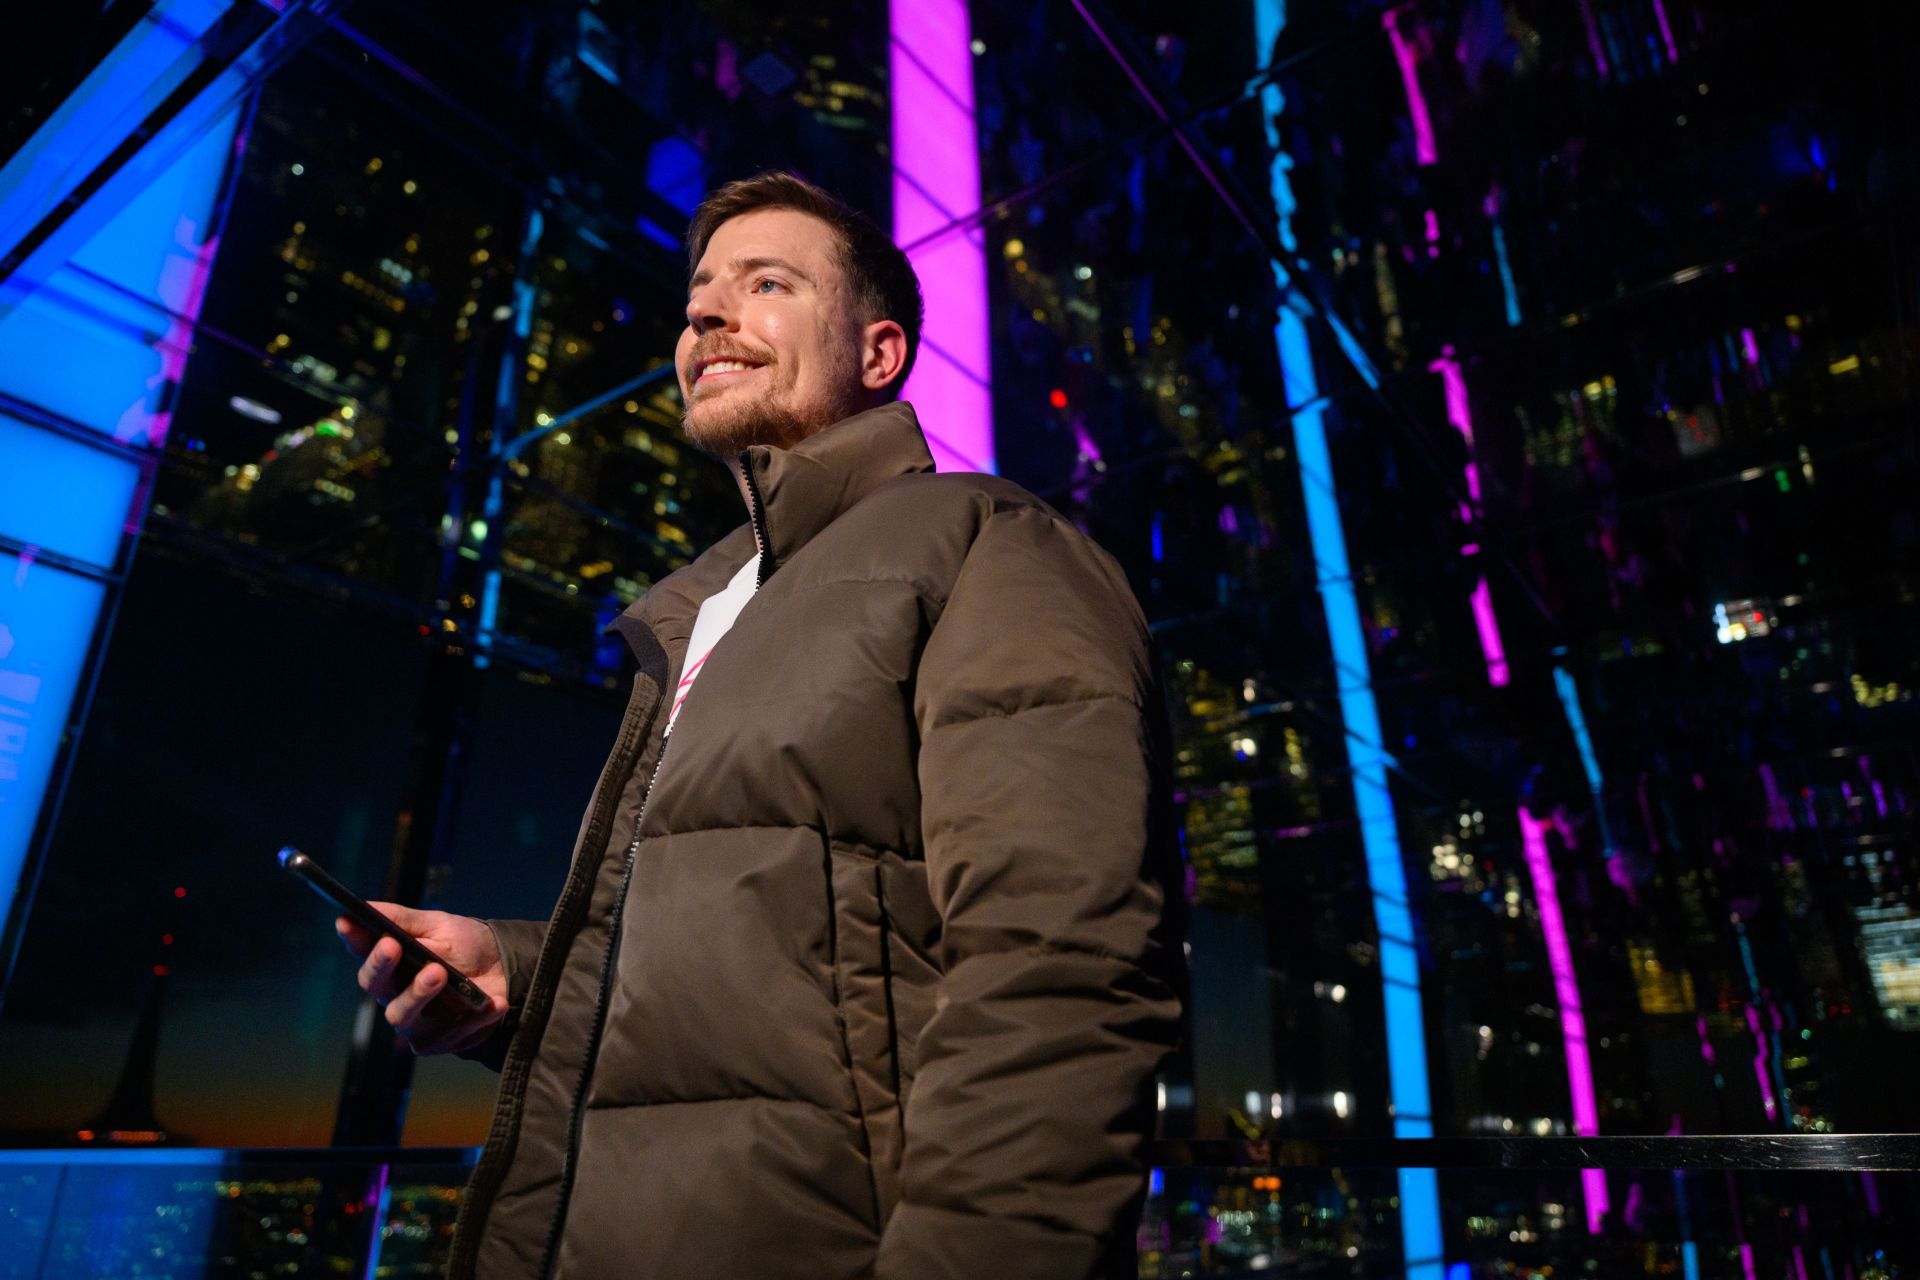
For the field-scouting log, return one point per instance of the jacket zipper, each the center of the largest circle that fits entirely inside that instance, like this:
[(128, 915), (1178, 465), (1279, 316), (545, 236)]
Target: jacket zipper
[(577, 1115), (489, 1171), (757, 511)]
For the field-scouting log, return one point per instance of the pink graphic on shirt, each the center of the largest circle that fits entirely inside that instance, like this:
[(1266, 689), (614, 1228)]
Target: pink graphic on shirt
[(686, 685)]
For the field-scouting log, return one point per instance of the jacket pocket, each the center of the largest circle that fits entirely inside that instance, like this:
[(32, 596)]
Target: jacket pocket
[(862, 981)]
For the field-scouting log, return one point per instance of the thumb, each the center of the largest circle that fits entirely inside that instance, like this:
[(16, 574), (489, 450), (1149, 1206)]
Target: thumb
[(408, 918)]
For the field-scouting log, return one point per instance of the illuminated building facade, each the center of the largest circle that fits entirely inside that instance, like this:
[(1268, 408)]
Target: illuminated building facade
[(1504, 413), (1601, 421)]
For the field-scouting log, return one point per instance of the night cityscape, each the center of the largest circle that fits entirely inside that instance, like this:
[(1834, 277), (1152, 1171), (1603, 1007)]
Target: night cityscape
[(1504, 412)]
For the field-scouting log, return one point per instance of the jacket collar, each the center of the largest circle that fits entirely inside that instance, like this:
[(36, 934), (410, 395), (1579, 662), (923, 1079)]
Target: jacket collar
[(796, 493)]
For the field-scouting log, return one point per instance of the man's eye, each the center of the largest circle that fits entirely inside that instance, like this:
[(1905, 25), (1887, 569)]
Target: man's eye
[(763, 284)]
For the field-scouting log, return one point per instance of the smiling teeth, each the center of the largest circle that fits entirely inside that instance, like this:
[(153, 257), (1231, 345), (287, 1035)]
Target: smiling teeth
[(727, 366)]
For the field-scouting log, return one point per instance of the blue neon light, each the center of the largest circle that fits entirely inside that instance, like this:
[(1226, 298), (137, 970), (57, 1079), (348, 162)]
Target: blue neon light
[(1689, 1251), (166, 1157), (677, 173), (1569, 692), (1506, 275), (1420, 1231), (83, 131), (1577, 721), (47, 616), (95, 326), (112, 311), (63, 496)]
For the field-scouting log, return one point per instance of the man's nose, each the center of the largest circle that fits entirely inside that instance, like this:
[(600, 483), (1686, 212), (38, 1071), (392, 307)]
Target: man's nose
[(705, 314)]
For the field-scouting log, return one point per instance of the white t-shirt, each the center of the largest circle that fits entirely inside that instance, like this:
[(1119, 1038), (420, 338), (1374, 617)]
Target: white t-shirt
[(714, 620)]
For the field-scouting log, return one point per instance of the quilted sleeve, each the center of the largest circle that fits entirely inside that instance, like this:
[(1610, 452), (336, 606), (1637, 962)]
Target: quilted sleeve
[(1025, 1121)]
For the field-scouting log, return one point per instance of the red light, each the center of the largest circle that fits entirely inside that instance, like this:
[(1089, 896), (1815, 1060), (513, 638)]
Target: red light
[(179, 891), (166, 939), (1057, 398), (85, 1135), (161, 971)]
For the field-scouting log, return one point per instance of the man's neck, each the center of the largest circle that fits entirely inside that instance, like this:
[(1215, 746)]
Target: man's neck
[(740, 476)]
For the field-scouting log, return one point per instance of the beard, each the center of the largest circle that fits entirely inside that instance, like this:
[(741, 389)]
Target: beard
[(740, 422), (724, 423)]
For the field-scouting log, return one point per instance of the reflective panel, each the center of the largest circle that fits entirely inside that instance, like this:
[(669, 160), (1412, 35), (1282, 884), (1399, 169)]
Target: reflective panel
[(47, 617), (63, 496)]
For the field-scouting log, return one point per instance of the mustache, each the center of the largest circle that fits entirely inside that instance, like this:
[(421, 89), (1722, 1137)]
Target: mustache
[(706, 352)]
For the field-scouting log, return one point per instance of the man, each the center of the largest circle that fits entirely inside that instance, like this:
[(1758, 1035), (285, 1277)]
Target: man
[(859, 969)]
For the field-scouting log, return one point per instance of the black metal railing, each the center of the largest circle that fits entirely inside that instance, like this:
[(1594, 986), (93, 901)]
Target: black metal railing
[(1694, 1206)]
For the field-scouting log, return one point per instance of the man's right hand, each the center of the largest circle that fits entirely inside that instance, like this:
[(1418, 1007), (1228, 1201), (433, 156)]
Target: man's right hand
[(429, 1024)]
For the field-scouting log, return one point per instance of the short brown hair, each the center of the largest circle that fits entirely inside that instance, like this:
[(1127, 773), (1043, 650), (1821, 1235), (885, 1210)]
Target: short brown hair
[(883, 281)]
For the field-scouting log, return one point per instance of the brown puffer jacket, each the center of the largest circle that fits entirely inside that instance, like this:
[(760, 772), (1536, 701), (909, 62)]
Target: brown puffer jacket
[(880, 987)]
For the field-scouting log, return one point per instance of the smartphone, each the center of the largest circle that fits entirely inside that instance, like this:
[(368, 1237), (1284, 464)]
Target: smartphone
[(356, 908)]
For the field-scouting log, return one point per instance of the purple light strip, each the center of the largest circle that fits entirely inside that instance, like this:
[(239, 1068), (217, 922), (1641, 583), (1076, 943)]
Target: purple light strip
[(182, 288), (1498, 673), (1460, 414), (1779, 816), (1666, 30), (1423, 148), (1593, 41), (936, 179), (1768, 1102), (1573, 1020)]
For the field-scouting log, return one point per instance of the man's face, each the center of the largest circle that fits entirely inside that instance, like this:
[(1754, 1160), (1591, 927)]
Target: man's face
[(771, 351)]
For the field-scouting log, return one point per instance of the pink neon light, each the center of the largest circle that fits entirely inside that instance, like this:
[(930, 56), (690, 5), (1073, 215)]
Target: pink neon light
[(936, 180), (1573, 1020), (1424, 150), (1459, 411), (183, 287), (1746, 1261), (1750, 347), (1433, 234), (1779, 816), (1666, 31), (1767, 1101), (1490, 647), (1593, 40), (1460, 414)]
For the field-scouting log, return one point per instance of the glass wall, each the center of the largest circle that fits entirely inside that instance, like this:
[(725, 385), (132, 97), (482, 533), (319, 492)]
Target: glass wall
[(1504, 412)]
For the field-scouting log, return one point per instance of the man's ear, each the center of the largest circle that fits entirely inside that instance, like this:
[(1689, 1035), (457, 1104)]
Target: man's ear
[(883, 354)]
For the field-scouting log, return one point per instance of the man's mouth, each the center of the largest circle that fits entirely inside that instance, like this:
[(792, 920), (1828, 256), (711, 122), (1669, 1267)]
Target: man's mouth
[(707, 372)]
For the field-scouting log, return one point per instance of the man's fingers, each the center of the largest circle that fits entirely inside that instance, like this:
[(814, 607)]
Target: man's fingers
[(379, 976), (407, 1008), (353, 937)]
